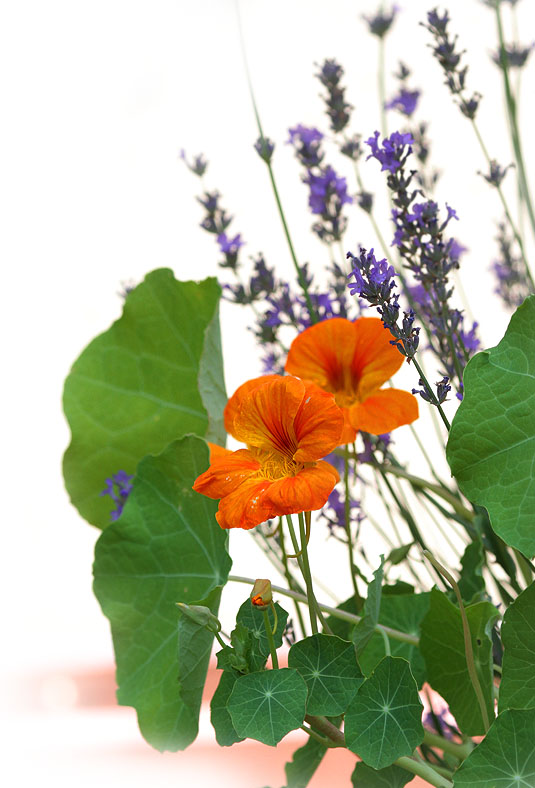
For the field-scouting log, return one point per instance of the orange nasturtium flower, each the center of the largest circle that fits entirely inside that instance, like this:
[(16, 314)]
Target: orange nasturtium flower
[(353, 360), (287, 425)]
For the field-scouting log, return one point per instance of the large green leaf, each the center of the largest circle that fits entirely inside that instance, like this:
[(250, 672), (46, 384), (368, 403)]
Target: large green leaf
[(471, 581), (392, 777), (225, 732), (491, 444), (517, 688), (442, 645), (329, 668), (165, 547), (267, 705), (384, 720), (404, 612), (305, 761), (152, 377), (506, 756)]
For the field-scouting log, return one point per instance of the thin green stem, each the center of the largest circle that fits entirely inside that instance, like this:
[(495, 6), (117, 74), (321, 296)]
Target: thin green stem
[(335, 612), (347, 526), (298, 270), (424, 770), (271, 641), (220, 640), (431, 393), (436, 489), (289, 579), (307, 575), (460, 751), (515, 134), (317, 737), (506, 209), (381, 85), (470, 663), (386, 642)]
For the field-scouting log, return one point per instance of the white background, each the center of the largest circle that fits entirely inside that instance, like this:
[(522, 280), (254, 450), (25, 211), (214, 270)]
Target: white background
[(97, 99)]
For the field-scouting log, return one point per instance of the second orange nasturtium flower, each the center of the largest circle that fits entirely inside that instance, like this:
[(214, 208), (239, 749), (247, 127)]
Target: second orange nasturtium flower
[(287, 425), (353, 360)]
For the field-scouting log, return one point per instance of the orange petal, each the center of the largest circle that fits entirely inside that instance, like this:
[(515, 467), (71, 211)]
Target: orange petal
[(318, 424), (266, 415), (323, 352), (306, 491), (375, 359), (217, 451), (247, 506), (234, 405), (226, 473), (349, 433), (384, 411)]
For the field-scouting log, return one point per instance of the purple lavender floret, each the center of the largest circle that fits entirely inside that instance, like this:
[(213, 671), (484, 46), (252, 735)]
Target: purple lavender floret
[(334, 511), (230, 247), (515, 55), (338, 109), (264, 147), (380, 23), (392, 153), (324, 187), (327, 196), (118, 487), (443, 388), (306, 141), (374, 279), (198, 165), (405, 102)]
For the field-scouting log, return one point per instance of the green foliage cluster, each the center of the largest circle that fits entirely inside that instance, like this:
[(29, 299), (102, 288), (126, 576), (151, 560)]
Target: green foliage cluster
[(144, 397)]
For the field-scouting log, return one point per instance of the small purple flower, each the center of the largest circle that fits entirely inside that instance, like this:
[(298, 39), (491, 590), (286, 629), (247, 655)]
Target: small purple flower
[(198, 165), (371, 275), (515, 55), (496, 173), (392, 152), (264, 147), (306, 141), (118, 487), (443, 388), (335, 511), (405, 102), (380, 23), (324, 186), (470, 339), (229, 245)]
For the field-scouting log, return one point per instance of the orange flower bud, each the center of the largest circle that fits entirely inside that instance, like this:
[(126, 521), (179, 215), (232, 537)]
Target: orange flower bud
[(261, 595)]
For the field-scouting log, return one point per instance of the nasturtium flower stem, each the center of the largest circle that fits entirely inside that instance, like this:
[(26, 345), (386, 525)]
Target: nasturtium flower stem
[(306, 576), (220, 640), (313, 735), (269, 634), (470, 663), (289, 579), (460, 751), (347, 525)]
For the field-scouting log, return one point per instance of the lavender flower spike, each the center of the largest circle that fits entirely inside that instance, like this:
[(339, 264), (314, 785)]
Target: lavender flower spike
[(392, 153)]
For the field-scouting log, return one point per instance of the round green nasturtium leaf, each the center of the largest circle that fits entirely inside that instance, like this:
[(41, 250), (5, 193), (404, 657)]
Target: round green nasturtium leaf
[(404, 612), (253, 618), (506, 756), (267, 705), (329, 668), (219, 715), (517, 687), (491, 444), (384, 719), (392, 777), (155, 375)]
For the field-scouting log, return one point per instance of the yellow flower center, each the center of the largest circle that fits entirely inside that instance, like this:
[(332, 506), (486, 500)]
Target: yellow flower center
[(278, 467)]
